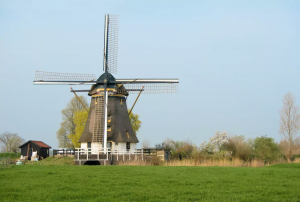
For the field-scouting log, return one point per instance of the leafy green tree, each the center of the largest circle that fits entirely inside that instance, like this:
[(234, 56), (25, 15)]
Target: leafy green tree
[(79, 119), (67, 125), (135, 122), (265, 148)]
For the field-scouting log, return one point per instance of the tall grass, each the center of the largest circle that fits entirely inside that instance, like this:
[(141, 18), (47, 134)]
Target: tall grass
[(235, 162), (134, 163), (296, 160)]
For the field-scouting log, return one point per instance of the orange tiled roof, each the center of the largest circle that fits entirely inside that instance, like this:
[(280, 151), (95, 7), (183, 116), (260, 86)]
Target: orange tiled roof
[(41, 144)]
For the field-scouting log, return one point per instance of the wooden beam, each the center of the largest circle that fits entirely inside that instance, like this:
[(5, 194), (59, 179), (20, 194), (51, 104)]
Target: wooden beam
[(135, 101), (80, 101)]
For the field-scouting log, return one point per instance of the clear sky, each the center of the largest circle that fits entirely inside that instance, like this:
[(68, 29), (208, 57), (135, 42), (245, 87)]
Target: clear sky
[(235, 61)]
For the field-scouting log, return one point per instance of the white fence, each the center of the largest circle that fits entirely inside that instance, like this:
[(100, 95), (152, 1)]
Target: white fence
[(92, 153)]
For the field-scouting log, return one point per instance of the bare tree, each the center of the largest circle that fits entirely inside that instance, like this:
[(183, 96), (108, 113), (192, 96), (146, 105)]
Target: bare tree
[(289, 122), (11, 141), (146, 144)]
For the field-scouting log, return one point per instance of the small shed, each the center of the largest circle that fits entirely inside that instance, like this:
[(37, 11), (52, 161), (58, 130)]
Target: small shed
[(40, 147)]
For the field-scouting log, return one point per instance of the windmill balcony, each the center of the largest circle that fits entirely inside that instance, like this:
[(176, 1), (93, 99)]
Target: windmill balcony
[(100, 154)]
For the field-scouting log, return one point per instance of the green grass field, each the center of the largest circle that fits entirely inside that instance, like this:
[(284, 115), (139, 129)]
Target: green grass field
[(149, 183)]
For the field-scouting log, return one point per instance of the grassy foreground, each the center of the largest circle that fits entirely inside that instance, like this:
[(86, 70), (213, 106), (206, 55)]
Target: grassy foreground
[(149, 183)]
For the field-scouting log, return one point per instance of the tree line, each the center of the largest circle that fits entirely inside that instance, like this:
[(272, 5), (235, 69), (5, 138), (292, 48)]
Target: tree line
[(221, 145)]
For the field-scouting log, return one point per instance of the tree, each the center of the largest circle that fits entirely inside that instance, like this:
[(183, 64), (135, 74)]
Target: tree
[(79, 119), (11, 141), (238, 147), (146, 144), (135, 122), (68, 126), (219, 140), (289, 122), (266, 149), (62, 137)]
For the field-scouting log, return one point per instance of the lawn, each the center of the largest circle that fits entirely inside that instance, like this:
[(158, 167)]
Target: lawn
[(149, 183)]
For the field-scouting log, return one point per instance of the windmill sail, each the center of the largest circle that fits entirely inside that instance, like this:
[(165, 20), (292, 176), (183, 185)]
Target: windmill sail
[(151, 88), (42, 77), (112, 46)]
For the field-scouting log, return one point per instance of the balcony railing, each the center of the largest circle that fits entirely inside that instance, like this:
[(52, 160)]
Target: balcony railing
[(100, 154)]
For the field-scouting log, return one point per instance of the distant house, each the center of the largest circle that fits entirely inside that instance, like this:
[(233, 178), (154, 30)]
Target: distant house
[(40, 147)]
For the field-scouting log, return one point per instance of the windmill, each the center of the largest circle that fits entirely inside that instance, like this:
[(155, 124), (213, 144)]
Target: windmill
[(108, 120)]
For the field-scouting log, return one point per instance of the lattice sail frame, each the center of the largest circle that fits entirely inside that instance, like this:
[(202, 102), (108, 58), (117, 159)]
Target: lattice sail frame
[(54, 76), (151, 88), (112, 46)]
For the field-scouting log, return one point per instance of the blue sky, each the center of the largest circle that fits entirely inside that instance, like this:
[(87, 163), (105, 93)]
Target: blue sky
[(235, 61)]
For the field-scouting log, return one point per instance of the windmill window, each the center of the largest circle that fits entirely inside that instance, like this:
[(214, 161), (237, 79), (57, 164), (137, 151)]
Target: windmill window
[(127, 145), (108, 118), (116, 143), (108, 128)]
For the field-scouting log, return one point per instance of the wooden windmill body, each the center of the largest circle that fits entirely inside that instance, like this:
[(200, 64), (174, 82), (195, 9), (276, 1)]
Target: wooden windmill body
[(108, 125)]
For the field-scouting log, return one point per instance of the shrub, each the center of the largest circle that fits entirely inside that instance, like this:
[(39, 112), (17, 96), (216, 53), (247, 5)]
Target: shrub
[(156, 161), (238, 147), (266, 149)]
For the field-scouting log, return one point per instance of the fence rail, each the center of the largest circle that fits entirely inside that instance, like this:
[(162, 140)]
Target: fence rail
[(100, 154), (63, 152)]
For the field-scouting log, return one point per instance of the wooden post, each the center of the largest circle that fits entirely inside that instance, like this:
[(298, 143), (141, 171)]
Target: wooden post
[(28, 151)]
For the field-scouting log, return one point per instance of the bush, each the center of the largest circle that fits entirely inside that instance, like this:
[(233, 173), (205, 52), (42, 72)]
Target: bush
[(266, 149), (156, 161), (238, 147)]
